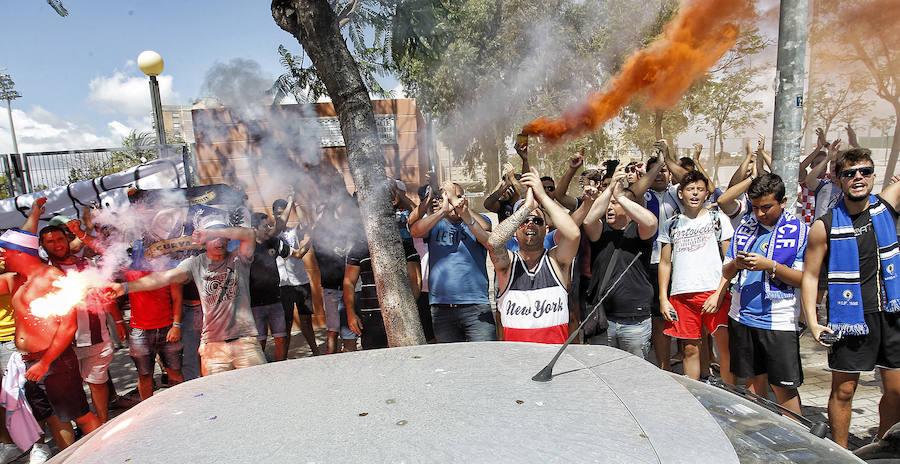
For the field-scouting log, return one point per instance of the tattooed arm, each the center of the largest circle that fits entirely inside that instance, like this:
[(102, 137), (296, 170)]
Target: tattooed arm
[(504, 231)]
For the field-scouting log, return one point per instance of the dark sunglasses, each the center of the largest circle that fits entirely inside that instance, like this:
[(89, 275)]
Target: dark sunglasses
[(866, 171), (536, 220)]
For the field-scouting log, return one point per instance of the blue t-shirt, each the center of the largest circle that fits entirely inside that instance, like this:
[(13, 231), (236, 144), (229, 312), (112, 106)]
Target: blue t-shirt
[(458, 273), (751, 307)]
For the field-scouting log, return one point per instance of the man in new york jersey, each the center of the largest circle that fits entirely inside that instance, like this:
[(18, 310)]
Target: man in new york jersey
[(534, 282)]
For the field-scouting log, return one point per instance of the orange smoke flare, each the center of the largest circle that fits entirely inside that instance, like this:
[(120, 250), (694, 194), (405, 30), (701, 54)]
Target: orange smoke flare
[(695, 40)]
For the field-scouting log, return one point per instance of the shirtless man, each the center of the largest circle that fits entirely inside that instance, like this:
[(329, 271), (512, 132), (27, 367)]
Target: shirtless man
[(53, 386)]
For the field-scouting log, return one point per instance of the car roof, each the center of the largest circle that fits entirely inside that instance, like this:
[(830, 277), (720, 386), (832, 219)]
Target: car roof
[(460, 402)]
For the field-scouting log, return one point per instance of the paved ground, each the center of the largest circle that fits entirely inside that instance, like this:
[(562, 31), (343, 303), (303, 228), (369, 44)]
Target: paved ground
[(813, 393)]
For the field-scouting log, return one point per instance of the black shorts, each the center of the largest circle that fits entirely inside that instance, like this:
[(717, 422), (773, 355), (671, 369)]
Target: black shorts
[(298, 295), (373, 334), (756, 351), (60, 392), (863, 353), (424, 308)]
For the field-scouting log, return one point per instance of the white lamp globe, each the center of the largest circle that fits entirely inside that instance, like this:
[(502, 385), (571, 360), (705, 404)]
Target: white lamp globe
[(150, 63)]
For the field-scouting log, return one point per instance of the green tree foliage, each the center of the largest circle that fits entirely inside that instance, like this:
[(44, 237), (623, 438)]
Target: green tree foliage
[(143, 150), (505, 63), (382, 34), (726, 104)]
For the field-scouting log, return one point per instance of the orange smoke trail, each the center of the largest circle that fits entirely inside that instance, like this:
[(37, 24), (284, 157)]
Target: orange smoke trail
[(699, 35)]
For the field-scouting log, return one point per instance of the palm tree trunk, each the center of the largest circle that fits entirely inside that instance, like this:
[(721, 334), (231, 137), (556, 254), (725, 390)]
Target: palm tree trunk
[(315, 25)]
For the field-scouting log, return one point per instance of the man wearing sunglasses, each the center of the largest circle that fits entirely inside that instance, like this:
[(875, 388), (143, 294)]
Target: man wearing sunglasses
[(534, 282), (855, 247)]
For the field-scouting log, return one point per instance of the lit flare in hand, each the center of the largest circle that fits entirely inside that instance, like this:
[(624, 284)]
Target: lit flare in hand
[(71, 290)]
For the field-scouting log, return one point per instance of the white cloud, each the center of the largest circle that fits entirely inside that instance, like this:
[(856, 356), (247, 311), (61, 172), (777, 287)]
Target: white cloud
[(118, 129), (39, 130), (121, 94)]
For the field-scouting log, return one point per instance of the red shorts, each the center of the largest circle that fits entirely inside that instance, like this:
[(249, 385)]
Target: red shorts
[(691, 316)]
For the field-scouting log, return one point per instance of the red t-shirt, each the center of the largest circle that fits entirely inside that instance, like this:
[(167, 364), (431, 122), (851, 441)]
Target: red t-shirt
[(151, 309)]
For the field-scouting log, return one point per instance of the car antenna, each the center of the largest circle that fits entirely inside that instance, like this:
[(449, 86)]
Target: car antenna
[(546, 374)]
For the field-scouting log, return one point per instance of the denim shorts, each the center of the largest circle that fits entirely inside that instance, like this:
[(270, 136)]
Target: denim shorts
[(463, 322), (146, 343), (334, 302), (269, 317)]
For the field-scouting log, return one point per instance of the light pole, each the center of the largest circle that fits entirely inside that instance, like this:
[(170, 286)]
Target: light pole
[(152, 65), (9, 94), (791, 59)]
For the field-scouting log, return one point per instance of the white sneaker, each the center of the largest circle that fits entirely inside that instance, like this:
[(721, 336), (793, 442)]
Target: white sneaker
[(9, 453), (40, 453)]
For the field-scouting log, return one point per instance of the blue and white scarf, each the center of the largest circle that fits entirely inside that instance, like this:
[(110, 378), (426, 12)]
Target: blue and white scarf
[(845, 305), (787, 239)]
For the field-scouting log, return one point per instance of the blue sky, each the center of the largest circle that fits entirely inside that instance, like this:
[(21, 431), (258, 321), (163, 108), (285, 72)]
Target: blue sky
[(77, 75)]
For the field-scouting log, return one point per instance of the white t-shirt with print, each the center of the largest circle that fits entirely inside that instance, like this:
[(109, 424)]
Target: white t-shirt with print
[(696, 262)]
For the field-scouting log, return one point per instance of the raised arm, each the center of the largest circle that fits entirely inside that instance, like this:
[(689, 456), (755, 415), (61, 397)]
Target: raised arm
[(744, 169), (281, 221), (522, 151), (590, 194), (479, 227), (674, 168), (423, 226), (506, 230), (812, 179), (562, 189), (492, 201), (727, 201), (891, 194), (593, 225), (645, 219), (643, 184), (820, 144), (34, 216), (304, 241), (567, 233), (152, 281), (246, 236)]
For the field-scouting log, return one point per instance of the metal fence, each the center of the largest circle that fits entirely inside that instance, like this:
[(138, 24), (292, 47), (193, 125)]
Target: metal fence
[(42, 170)]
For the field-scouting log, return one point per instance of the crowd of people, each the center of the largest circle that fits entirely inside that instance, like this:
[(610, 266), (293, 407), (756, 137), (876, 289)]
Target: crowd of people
[(646, 253)]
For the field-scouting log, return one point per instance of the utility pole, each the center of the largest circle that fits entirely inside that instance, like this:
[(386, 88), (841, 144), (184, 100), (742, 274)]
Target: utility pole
[(787, 131), (8, 93)]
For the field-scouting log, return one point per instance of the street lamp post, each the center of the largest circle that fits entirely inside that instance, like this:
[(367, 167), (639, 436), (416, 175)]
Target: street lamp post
[(152, 65), (787, 129), (15, 175)]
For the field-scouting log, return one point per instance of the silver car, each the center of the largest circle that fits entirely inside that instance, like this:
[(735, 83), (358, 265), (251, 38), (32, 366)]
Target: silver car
[(462, 402)]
